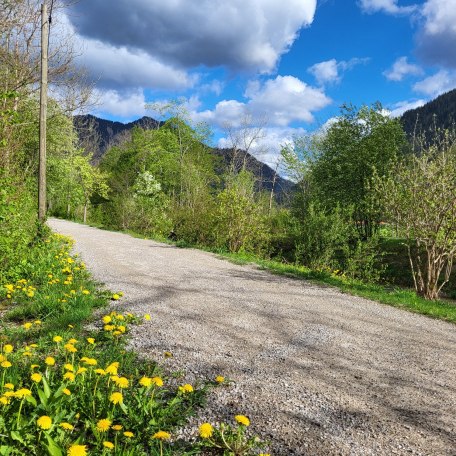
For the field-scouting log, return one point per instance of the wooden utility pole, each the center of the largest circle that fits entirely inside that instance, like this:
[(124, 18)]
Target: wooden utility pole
[(43, 114)]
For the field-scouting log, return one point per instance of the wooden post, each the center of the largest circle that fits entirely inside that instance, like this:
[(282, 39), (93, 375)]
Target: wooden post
[(43, 114)]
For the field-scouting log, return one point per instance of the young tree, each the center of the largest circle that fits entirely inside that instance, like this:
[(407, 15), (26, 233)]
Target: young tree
[(420, 199), (344, 158)]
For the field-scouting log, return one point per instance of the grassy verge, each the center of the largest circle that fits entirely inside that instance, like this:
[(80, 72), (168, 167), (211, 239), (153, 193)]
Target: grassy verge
[(397, 297), (65, 389)]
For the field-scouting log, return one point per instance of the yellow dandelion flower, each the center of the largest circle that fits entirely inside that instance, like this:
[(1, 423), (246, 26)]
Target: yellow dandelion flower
[(108, 327), (100, 371), (115, 297), (161, 435), (120, 317), (23, 392), (116, 398), (147, 317), (91, 362), (57, 339), (66, 426), (9, 386), (69, 367), (86, 292), (206, 430), (187, 388), (50, 361), (34, 366), (81, 370), (103, 425), (145, 381), (73, 341), (242, 419), (8, 348), (264, 454), (36, 378), (117, 427), (70, 348), (27, 326), (4, 400), (30, 294), (157, 381), (77, 450), (44, 422), (128, 434), (116, 333), (108, 445), (112, 368), (121, 382), (26, 353), (2, 358), (219, 379), (6, 364), (121, 328), (69, 376), (66, 391), (91, 340), (106, 319), (37, 322)]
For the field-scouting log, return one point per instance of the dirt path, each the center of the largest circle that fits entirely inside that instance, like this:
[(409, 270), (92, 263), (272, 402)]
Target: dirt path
[(317, 371)]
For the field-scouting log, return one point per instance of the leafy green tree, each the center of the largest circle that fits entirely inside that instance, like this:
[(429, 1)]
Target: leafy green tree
[(343, 159), (420, 199)]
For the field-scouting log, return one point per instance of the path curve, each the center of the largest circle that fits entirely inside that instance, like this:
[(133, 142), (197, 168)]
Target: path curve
[(318, 372)]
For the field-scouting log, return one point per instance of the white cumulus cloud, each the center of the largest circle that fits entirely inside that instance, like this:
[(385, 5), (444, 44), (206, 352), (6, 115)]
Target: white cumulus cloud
[(438, 83), (330, 71), (386, 6), (402, 68), (402, 106)]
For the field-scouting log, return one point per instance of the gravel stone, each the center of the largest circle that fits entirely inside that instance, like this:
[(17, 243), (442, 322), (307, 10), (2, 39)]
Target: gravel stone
[(317, 371)]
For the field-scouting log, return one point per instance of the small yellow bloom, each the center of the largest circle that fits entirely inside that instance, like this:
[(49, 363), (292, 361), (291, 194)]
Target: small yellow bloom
[(147, 317), (9, 386), (187, 388), (168, 354), (103, 425), (57, 339), (73, 341), (44, 422), (69, 376), (219, 379), (77, 450), (116, 398), (117, 427), (120, 317), (108, 445), (34, 366), (36, 377), (206, 430), (121, 382), (69, 367), (27, 326), (157, 381), (242, 419), (70, 348), (116, 333), (100, 371), (91, 340), (23, 392), (81, 370), (145, 381), (128, 434), (30, 294), (66, 391), (106, 319), (162, 435), (8, 348), (37, 322), (50, 361), (4, 400), (112, 368), (115, 297), (6, 364), (26, 353), (121, 328), (66, 426), (86, 292)]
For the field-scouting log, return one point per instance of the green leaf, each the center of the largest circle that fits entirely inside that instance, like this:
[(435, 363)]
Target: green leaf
[(31, 400), (47, 390), (17, 436), (42, 397), (52, 447)]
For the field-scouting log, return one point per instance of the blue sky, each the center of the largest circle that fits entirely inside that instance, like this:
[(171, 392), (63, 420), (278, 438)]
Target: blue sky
[(286, 65)]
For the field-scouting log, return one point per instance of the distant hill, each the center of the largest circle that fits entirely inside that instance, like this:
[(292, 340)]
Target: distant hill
[(97, 135), (440, 112)]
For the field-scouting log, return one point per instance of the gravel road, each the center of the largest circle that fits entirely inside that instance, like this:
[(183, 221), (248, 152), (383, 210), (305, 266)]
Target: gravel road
[(317, 371)]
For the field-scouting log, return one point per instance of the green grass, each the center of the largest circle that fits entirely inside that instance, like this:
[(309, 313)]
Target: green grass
[(52, 294)]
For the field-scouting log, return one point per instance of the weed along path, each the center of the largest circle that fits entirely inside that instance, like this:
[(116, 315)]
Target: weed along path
[(318, 372)]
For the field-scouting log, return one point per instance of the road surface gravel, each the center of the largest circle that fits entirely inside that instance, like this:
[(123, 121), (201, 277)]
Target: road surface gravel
[(317, 371)]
